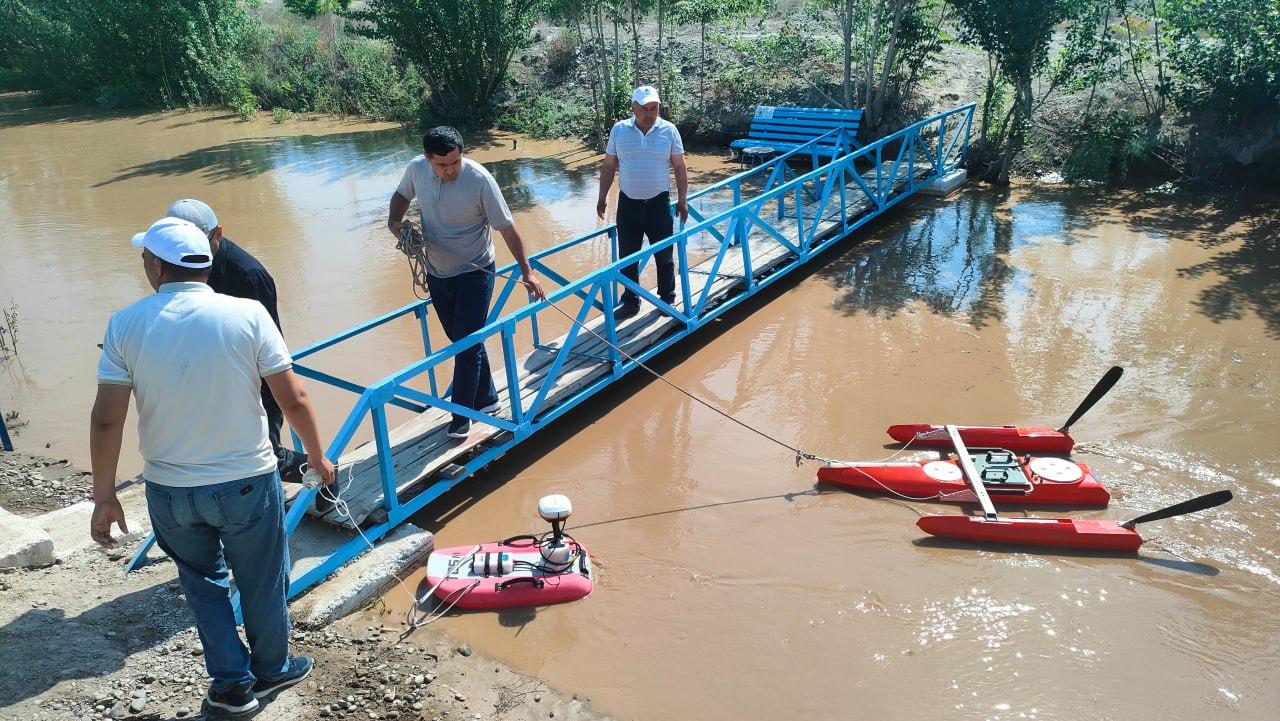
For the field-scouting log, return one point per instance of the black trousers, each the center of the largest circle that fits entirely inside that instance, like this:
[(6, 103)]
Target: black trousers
[(285, 455), (652, 218)]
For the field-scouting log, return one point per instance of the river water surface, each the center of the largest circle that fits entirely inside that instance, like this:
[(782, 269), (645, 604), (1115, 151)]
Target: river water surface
[(729, 585)]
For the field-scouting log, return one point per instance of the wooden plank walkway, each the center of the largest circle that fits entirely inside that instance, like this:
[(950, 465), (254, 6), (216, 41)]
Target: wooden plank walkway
[(422, 453)]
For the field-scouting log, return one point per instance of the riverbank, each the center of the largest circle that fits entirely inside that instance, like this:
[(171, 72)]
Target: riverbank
[(83, 641)]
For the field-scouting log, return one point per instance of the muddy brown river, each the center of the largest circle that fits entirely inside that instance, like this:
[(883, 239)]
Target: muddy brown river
[(729, 585)]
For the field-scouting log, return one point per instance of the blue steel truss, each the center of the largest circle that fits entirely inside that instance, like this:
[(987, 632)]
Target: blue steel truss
[(804, 213)]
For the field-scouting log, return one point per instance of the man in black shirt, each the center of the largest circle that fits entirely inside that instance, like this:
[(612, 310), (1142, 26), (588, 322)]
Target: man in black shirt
[(237, 273)]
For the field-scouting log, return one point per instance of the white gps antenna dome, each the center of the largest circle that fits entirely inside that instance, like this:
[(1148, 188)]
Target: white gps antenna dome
[(555, 507)]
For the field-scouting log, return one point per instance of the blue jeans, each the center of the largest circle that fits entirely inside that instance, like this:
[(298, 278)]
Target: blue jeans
[(462, 304), (238, 524)]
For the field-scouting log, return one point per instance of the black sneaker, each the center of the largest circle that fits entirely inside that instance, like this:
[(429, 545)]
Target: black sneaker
[(235, 701), (290, 466), (625, 311), (299, 668), (669, 300), (459, 429)]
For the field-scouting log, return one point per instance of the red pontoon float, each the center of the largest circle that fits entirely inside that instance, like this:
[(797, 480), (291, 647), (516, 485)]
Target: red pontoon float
[(1014, 438)]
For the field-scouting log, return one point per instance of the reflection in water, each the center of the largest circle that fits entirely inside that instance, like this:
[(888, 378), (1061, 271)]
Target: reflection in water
[(952, 260), (526, 182)]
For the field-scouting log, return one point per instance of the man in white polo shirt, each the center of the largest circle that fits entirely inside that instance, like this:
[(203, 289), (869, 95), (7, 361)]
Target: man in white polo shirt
[(194, 361), (644, 149)]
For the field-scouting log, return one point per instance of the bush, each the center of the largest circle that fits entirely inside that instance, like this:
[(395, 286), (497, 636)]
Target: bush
[(546, 117), (214, 53), (562, 54), (1112, 146), (303, 68), (1226, 54), (107, 49)]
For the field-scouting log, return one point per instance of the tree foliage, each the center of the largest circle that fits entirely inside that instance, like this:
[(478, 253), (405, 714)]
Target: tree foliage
[(1016, 35), (886, 44), (316, 8), (149, 52), (462, 48), (1226, 54)]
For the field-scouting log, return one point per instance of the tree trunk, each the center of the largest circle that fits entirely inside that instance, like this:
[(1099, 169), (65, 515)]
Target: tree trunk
[(606, 83), (702, 72), (635, 52), (988, 97), (873, 51), (1018, 131), (846, 36), (890, 59), (662, 15)]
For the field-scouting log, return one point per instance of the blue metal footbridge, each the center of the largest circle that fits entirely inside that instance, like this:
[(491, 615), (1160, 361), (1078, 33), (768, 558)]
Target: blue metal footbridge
[(744, 234)]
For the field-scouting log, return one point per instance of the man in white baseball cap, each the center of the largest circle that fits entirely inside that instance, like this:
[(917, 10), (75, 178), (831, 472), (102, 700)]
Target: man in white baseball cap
[(237, 273), (193, 360), (177, 242), (644, 149)]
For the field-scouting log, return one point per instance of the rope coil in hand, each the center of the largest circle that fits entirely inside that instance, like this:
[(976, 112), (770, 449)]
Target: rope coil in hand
[(411, 242)]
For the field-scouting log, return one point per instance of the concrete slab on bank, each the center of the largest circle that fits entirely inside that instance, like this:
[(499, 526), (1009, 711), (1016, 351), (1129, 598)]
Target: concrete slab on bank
[(69, 529), (23, 542), (361, 581), (947, 183)]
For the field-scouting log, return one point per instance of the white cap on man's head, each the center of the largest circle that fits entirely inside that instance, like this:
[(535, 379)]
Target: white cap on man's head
[(194, 211), (645, 94), (176, 241)]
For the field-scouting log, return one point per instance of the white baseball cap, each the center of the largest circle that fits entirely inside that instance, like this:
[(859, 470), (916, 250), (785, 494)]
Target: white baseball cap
[(194, 211), (645, 94), (176, 241)]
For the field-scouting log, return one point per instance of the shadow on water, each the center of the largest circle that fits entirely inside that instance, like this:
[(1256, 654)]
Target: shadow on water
[(330, 158), (953, 256), (1245, 227), (1174, 564), (527, 182)]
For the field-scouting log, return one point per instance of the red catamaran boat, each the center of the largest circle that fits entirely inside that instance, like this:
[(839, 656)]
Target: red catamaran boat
[(1008, 478)]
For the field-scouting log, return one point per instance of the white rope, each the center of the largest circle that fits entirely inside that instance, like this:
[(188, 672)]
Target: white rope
[(800, 455)]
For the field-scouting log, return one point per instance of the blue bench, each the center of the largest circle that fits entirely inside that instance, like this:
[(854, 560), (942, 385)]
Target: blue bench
[(785, 128)]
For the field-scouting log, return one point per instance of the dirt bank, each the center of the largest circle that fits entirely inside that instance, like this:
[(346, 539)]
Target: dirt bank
[(80, 640)]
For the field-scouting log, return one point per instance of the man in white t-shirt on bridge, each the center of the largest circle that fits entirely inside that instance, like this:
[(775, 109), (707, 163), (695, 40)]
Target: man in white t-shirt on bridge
[(643, 150)]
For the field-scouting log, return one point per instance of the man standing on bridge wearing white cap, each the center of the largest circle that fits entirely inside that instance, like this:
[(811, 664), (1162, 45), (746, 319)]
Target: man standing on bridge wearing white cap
[(194, 360), (644, 149)]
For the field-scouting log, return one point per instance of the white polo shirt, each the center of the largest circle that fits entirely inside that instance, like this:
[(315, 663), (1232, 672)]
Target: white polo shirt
[(644, 159), (195, 360)]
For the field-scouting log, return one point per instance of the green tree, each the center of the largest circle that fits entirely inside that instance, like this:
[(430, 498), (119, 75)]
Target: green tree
[(462, 48), (885, 44), (147, 52), (316, 8), (703, 12), (1016, 35), (1226, 54)]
